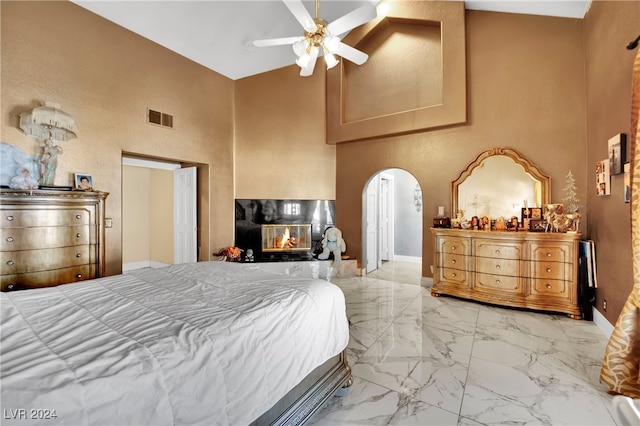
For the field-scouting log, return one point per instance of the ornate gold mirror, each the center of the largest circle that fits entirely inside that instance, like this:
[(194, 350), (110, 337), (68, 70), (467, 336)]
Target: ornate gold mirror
[(499, 182)]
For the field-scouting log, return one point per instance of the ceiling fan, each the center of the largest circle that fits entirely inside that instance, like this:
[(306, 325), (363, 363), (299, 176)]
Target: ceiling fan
[(321, 37)]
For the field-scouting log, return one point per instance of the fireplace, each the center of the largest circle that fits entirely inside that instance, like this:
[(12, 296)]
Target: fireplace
[(282, 230), (286, 238)]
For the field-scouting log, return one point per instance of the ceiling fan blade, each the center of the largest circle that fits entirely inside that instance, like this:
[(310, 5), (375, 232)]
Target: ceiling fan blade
[(355, 18), (354, 55), (300, 12), (308, 70), (276, 41)]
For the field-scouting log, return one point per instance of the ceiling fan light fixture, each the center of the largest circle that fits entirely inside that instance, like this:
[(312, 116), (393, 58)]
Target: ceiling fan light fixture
[(307, 70), (330, 60), (300, 47), (320, 37), (331, 44)]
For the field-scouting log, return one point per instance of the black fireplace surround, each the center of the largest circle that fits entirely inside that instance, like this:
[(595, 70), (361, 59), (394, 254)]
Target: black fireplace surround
[(252, 214)]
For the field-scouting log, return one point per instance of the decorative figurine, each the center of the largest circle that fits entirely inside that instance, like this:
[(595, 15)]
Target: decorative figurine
[(23, 180), (249, 256)]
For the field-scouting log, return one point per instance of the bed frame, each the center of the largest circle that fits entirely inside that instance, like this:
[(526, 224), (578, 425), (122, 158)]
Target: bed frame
[(304, 400)]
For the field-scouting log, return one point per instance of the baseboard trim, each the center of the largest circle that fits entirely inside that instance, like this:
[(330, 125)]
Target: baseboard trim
[(602, 323), (408, 259)]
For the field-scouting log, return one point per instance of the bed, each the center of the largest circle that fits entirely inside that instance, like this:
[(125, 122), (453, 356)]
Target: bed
[(204, 343)]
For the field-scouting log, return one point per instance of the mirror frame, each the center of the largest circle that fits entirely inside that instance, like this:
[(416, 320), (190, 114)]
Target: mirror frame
[(529, 167)]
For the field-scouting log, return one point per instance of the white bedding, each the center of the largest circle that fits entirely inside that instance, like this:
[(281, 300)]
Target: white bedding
[(205, 343)]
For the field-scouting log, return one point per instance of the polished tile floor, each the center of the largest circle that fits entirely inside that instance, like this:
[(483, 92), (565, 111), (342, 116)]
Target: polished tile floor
[(422, 360)]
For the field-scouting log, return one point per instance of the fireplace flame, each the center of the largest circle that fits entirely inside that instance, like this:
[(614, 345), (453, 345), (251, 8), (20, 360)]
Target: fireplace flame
[(285, 237)]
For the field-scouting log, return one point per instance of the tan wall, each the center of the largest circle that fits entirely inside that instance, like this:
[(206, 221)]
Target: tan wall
[(106, 77), (609, 27), (135, 215), (147, 215), (280, 137), (525, 81), (161, 216)]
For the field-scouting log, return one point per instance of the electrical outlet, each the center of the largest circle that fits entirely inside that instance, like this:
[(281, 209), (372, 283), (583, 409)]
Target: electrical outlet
[(108, 222), (604, 304)]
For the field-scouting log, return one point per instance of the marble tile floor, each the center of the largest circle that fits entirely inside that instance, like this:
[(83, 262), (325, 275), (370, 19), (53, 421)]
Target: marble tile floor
[(424, 360)]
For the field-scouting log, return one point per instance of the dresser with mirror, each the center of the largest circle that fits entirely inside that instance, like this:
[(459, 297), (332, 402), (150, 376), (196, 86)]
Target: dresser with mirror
[(516, 268)]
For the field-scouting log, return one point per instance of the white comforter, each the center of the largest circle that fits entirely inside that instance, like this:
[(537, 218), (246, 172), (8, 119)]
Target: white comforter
[(205, 343)]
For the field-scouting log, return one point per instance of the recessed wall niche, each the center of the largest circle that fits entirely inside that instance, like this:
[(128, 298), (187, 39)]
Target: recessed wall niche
[(403, 87)]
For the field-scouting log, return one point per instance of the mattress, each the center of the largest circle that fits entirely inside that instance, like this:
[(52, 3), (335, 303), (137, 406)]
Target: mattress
[(202, 343)]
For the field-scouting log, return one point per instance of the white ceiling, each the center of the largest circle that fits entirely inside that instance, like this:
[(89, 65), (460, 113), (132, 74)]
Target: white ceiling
[(215, 33)]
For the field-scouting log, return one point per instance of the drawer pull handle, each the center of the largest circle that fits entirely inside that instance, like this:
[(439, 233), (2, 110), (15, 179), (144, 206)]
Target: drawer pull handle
[(78, 254), (497, 266), (548, 285), (497, 251), (78, 275), (10, 239), (497, 281), (453, 247), (78, 235), (11, 262), (453, 261), (78, 217), (548, 254), (453, 274), (9, 218), (548, 269)]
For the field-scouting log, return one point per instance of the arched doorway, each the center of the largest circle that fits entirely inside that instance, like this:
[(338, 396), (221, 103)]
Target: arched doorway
[(392, 219)]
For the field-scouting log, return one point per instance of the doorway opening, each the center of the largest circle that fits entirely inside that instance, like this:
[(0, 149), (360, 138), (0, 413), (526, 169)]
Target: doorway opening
[(160, 212), (392, 219)]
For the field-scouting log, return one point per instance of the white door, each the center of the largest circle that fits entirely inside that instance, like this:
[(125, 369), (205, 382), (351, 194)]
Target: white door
[(385, 219), (371, 224), (185, 215)]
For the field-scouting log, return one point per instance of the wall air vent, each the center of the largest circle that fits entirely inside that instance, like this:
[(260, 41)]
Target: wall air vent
[(159, 118)]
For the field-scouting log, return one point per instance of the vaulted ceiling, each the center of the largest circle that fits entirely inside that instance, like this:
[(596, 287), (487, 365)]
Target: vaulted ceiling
[(217, 33)]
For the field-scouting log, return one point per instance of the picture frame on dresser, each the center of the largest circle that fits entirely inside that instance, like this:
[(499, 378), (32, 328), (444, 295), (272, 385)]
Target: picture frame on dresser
[(537, 225), (83, 181), (531, 213)]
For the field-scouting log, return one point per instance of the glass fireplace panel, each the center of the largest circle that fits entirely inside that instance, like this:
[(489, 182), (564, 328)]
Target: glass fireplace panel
[(286, 237)]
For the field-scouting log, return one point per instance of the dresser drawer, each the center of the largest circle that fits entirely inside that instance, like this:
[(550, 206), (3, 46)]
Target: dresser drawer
[(552, 252), (12, 239), (19, 262), (453, 245), (551, 270), (44, 217), (550, 288), (454, 261), (488, 265), (47, 278), (498, 250), (498, 284), (453, 276)]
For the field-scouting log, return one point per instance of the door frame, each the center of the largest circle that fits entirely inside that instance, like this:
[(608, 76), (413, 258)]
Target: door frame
[(171, 165)]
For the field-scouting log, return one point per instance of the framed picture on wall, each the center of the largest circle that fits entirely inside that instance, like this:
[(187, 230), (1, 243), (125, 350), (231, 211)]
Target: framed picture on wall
[(617, 153), (83, 181), (627, 182), (603, 178)]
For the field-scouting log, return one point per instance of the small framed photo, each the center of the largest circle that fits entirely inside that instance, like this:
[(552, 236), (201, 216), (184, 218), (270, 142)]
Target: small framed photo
[(617, 153), (531, 213), (537, 225), (83, 181), (627, 182)]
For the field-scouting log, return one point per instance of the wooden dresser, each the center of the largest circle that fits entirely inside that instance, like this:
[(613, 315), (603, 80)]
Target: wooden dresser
[(50, 237), (534, 270)]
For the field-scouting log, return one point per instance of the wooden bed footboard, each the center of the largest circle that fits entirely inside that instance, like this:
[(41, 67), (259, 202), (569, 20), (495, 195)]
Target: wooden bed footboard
[(297, 406)]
